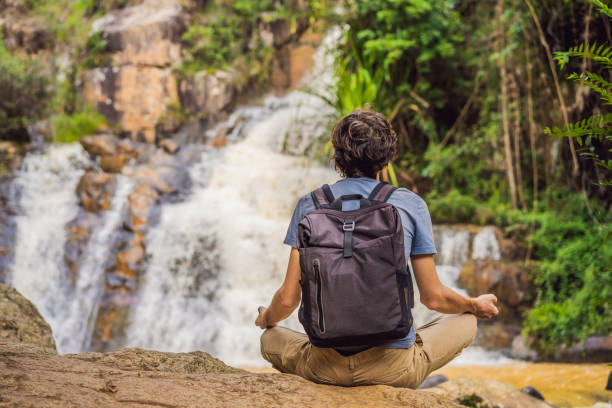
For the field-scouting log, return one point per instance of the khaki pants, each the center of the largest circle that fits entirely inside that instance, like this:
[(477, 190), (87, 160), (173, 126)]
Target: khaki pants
[(437, 343)]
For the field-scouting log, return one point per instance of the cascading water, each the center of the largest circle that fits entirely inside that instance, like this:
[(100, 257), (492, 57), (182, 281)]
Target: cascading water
[(46, 183), (218, 255)]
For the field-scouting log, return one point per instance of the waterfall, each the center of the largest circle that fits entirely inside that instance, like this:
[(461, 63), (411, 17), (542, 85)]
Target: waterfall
[(456, 245), (46, 184), (218, 255)]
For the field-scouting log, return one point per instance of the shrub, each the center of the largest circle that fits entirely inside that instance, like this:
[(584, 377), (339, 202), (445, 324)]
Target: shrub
[(69, 128), (24, 94)]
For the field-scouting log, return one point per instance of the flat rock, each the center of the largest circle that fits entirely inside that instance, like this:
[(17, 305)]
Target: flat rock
[(20, 322), (486, 393), (133, 378)]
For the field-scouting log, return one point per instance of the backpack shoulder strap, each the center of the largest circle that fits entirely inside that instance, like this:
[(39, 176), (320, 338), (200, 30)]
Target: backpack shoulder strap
[(381, 192), (322, 197)]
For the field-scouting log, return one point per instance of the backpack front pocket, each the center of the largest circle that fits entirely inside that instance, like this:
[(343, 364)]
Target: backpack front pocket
[(319, 283)]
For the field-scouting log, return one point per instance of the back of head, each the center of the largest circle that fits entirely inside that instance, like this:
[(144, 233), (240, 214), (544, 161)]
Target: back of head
[(364, 143)]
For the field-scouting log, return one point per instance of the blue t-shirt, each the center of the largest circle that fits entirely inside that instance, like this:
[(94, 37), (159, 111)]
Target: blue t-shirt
[(416, 222)]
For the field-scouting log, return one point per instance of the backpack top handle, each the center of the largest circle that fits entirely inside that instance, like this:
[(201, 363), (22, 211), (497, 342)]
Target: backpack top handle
[(337, 204)]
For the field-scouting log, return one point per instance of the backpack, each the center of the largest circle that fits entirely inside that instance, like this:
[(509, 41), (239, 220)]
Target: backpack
[(356, 286)]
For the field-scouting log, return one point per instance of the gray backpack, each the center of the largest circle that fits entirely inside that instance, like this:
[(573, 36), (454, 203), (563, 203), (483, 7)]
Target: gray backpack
[(356, 287)]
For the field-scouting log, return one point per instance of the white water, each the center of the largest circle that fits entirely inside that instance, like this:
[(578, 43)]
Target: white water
[(47, 183), (217, 256), (73, 331)]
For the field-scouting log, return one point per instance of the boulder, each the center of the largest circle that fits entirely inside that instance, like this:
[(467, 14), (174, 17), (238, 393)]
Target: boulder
[(20, 322), (593, 349), (495, 335), (111, 152), (11, 156), (208, 94), (134, 377), (509, 282), (477, 393), (522, 349), (100, 145), (95, 191)]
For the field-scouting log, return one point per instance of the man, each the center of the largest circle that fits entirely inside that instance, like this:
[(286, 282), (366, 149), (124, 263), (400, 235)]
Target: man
[(364, 143)]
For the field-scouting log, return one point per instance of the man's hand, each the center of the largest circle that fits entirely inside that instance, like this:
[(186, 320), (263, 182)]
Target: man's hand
[(261, 321), (484, 306)]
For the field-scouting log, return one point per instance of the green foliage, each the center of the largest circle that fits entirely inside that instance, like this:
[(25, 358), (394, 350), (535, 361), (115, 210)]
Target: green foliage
[(228, 34), (68, 128), (574, 274), (390, 49), (597, 127), (23, 94), (94, 52), (473, 400)]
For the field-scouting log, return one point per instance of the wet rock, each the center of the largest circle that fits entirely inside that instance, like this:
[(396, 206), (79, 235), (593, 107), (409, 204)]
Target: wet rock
[(529, 390), (8, 227), (111, 152), (169, 146), (522, 349), (593, 349), (496, 335), (11, 156), (95, 191), (20, 322), (78, 234), (509, 282), (100, 145), (486, 393), (146, 378), (432, 381)]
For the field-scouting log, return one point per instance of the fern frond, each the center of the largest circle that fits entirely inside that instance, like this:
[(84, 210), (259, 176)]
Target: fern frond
[(596, 83), (596, 126), (600, 54), (603, 8)]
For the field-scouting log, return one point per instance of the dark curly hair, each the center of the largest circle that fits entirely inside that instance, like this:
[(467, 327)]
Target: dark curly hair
[(364, 143)]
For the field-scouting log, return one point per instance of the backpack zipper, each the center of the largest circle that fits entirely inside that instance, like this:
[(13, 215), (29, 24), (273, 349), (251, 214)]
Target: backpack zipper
[(316, 265)]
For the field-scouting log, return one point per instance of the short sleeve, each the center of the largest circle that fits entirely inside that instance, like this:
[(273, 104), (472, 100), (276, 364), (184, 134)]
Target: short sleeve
[(418, 231), (423, 241), (303, 207)]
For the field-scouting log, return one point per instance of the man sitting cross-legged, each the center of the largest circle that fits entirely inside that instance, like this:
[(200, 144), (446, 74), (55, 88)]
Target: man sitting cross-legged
[(357, 296)]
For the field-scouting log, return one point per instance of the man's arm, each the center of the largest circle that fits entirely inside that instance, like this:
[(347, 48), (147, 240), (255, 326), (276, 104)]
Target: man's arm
[(286, 298), (442, 299)]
